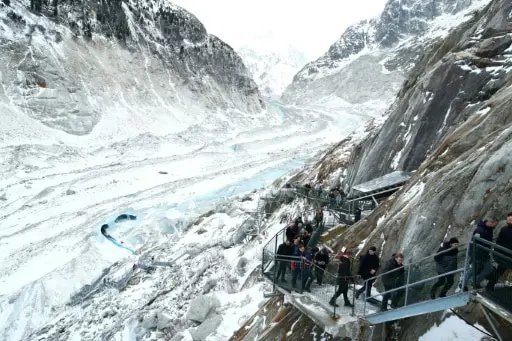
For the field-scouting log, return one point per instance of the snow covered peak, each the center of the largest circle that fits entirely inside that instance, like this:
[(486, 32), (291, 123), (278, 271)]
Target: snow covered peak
[(371, 58), (273, 70), (138, 65)]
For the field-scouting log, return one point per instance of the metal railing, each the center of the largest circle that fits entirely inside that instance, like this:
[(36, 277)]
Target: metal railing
[(499, 283), (303, 275), (445, 274), (427, 278)]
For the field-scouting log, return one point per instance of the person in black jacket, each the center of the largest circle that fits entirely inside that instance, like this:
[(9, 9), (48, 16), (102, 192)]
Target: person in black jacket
[(292, 231), (446, 261), (284, 251), (505, 240), (367, 269), (482, 264), (344, 277), (321, 259), (357, 215), (393, 278)]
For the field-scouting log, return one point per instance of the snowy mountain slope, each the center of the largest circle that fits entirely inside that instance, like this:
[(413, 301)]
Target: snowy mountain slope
[(371, 58), (138, 110), (272, 70), (139, 63)]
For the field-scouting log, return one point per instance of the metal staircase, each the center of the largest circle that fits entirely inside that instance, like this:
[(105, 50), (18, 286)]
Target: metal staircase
[(412, 291)]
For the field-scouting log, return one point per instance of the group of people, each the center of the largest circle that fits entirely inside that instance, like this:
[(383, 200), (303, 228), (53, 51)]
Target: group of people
[(482, 259), (446, 260)]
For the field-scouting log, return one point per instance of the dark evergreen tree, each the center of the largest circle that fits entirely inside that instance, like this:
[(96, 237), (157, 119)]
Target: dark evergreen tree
[(55, 4)]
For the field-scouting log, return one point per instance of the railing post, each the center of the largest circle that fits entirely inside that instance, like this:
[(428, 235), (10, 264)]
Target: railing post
[(336, 283), (276, 266), (466, 264), (301, 275), (353, 287), (407, 283), (365, 298), (473, 262)]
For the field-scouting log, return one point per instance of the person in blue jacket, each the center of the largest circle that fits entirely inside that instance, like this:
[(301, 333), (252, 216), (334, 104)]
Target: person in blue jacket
[(301, 266)]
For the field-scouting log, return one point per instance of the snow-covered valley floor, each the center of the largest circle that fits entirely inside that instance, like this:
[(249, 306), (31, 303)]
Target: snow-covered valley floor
[(54, 196)]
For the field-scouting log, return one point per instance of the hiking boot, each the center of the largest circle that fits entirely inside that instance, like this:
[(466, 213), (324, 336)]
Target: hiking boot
[(348, 304), (333, 303), (357, 295)]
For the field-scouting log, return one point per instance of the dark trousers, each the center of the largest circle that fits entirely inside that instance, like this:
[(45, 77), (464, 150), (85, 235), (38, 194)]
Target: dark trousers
[(296, 274), (319, 273), (446, 282), (342, 289), (395, 296), (281, 270), (495, 276), (307, 278), (367, 287)]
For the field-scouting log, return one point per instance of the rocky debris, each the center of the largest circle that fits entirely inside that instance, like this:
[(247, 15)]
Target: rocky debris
[(70, 192), (109, 312), (3, 197), (209, 285), (202, 307)]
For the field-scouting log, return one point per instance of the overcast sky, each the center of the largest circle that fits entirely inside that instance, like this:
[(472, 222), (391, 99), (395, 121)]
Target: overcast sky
[(311, 26)]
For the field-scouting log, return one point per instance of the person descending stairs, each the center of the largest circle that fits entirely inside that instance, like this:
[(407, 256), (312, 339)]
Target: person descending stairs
[(344, 277)]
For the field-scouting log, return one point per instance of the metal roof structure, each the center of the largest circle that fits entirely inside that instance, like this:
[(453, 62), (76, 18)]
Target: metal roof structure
[(394, 179)]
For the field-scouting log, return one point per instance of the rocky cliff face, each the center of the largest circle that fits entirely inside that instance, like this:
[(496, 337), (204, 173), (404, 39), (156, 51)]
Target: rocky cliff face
[(69, 64), (370, 60), (452, 126)]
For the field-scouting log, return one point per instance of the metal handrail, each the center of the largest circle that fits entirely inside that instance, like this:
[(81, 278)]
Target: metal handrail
[(418, 261)]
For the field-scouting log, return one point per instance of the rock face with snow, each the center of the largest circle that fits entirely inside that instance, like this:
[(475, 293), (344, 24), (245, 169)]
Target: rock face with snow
[(443, 91), (69, 64), (452, 125), (370, 60), (272, 71)]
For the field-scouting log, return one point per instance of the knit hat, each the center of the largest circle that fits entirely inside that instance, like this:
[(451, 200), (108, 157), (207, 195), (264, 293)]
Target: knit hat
[(372, 248)]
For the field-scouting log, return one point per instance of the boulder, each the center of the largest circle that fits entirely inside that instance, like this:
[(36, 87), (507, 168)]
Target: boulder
[(209, 326), (202, 307), (241, 266), (163, 321), (149, 321)]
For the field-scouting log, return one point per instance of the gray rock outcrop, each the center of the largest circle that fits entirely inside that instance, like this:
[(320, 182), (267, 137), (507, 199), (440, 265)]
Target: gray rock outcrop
[(201, 308)]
